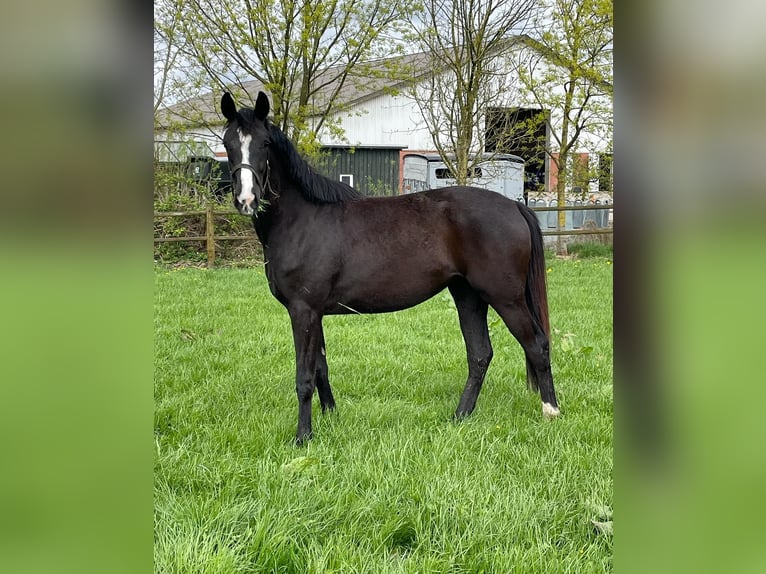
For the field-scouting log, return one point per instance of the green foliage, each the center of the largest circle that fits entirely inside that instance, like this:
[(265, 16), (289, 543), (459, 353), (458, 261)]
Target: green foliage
[(390, 483), (174, 191), (378, 188)]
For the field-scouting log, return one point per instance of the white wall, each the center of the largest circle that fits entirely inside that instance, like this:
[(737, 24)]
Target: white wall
[(209, 139), (385, 120)]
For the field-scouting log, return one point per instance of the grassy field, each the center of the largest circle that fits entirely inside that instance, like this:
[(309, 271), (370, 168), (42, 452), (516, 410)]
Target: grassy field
[(389, 483)]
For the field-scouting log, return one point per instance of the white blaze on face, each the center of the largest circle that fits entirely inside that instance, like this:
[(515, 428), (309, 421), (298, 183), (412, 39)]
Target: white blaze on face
[(246, 195)]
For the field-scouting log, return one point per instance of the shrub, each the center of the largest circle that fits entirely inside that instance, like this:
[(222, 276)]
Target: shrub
[(174, 191)]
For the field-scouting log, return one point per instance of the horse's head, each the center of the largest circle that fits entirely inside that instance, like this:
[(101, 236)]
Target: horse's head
[(246, 138)]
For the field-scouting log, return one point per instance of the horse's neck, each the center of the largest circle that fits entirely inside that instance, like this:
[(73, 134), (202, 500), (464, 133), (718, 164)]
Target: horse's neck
[(284, 204)]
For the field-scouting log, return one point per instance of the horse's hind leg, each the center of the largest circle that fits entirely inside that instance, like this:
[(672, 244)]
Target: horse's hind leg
[(322, 376), (536, 347), (472, 312)]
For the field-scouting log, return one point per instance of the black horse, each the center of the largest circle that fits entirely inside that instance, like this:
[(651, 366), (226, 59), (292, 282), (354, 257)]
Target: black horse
[(330, 251)]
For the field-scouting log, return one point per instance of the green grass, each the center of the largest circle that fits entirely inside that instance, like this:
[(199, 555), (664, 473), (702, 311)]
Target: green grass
[(389, 483), (591, 249)]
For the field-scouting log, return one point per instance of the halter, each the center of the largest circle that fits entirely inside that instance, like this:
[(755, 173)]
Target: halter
[(240, 166), (258, 181)]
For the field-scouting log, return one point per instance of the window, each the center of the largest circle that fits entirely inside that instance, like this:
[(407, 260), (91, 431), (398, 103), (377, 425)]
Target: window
[(444, 173), (347, 178)]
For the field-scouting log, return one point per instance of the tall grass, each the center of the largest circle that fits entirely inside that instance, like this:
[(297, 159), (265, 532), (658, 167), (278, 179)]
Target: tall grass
[(390, 483), (591, 249)]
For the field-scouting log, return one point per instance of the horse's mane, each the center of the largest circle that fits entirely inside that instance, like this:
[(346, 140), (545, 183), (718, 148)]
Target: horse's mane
[(313, 186)]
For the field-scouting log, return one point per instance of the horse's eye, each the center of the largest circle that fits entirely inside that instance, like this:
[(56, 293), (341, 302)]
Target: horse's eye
[(267, 143)]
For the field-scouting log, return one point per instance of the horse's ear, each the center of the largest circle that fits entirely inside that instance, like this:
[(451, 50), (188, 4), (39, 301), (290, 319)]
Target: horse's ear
[(261, 106), (228, 108)]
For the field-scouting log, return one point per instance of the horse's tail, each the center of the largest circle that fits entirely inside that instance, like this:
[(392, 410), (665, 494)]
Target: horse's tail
[(536, 290)]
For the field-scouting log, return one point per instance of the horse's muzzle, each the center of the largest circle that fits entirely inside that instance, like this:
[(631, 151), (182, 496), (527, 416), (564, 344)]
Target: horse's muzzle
[(245, 208)]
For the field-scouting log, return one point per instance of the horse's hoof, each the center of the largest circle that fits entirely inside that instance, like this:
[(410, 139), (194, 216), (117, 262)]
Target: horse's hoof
[(549, 411), (302, 439)]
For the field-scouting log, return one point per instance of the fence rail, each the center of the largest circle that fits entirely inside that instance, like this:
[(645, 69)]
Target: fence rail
[(210, 237), (572, 207)]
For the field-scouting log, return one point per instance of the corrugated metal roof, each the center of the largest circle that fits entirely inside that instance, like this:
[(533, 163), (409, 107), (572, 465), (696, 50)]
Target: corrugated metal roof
[(363, 83)]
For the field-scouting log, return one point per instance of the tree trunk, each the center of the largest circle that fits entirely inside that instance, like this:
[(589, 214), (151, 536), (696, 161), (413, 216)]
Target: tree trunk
[(561, 244), (561, 198), (464, 136)]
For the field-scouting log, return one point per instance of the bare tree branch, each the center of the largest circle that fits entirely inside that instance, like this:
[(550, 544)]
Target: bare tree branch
[(464, 39)]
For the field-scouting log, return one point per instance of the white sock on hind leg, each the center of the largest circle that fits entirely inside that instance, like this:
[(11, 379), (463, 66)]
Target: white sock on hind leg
[(549, 411)]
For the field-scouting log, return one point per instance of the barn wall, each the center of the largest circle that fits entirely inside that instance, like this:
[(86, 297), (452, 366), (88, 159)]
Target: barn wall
[(384, 120), (375, 170)]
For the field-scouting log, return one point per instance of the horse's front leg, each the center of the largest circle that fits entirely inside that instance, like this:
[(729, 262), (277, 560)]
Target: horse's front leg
[(307, 333)]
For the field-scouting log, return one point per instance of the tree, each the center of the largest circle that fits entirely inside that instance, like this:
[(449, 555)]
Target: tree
[(304, 53), (567, 70), (463, 39)]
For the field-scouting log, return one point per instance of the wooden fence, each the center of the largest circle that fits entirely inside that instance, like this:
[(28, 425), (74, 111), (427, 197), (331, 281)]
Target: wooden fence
[(210, 237)]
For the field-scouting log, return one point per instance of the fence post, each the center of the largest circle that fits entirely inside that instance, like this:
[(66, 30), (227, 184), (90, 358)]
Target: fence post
[(209, 234)]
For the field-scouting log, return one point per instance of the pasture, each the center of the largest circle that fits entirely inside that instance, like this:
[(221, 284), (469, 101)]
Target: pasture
[(389, 483)]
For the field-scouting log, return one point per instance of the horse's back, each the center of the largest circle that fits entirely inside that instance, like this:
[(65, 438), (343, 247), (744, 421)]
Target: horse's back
[(465, 218), (484, 217), (475, 201)]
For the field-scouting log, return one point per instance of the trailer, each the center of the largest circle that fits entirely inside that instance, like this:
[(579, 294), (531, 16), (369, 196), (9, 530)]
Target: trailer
[(503, 173)]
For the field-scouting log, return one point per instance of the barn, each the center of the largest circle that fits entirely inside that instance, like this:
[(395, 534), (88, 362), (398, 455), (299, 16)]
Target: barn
[(379, 125)]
